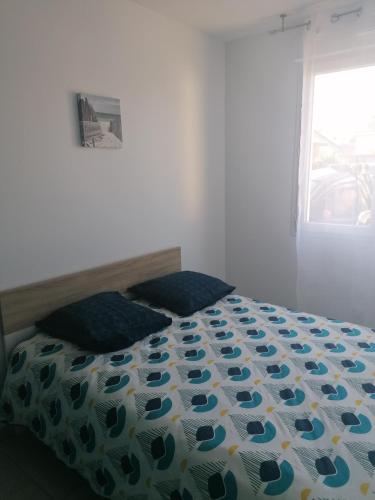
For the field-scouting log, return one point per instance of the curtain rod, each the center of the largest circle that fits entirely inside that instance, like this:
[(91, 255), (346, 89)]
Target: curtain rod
[(284, 28), (334, 19)]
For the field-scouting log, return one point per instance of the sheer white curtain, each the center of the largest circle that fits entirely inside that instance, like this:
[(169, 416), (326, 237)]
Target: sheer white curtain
[(336, 224)]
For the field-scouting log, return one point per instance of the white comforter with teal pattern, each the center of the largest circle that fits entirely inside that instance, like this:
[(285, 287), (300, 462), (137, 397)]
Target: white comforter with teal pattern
[(242, 400)]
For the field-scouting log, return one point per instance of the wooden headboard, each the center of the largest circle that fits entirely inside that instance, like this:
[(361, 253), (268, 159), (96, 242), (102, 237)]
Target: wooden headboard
[(20, 307)]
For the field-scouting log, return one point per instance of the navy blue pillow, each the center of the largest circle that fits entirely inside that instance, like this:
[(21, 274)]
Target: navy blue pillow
[(104, 322), (184, 292)]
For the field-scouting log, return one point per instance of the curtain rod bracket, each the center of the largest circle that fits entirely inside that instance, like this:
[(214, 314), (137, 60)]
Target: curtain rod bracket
[(283, 28), (283, 17), (336, 17)]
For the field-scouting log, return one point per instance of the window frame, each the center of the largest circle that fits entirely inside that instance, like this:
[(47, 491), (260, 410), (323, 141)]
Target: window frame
[(326, 65)]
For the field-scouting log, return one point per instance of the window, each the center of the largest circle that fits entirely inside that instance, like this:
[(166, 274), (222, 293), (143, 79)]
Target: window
[(342, 148)]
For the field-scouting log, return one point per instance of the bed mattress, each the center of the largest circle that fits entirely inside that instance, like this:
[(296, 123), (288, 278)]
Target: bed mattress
[(241, 400)]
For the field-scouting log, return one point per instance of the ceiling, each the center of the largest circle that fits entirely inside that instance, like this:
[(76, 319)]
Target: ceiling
[(225, 18)]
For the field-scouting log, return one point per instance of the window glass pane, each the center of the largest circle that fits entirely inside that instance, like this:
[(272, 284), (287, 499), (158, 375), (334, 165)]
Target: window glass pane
[(342, 167)]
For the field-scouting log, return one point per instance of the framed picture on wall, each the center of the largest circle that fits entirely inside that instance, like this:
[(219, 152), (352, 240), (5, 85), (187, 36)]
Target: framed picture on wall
[(99, 121)]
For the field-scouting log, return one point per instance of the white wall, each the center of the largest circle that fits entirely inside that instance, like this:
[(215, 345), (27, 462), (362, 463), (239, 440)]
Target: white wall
[(63, 207), (263, 111)]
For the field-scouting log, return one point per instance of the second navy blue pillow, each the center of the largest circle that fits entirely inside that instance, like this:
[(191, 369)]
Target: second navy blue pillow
[(184, 292), (104, 322)]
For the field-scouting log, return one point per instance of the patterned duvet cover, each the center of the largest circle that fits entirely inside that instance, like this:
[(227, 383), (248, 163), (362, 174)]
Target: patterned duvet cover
[(242, 400)]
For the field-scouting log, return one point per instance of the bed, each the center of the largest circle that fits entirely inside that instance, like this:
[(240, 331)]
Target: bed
[(241, 400)]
